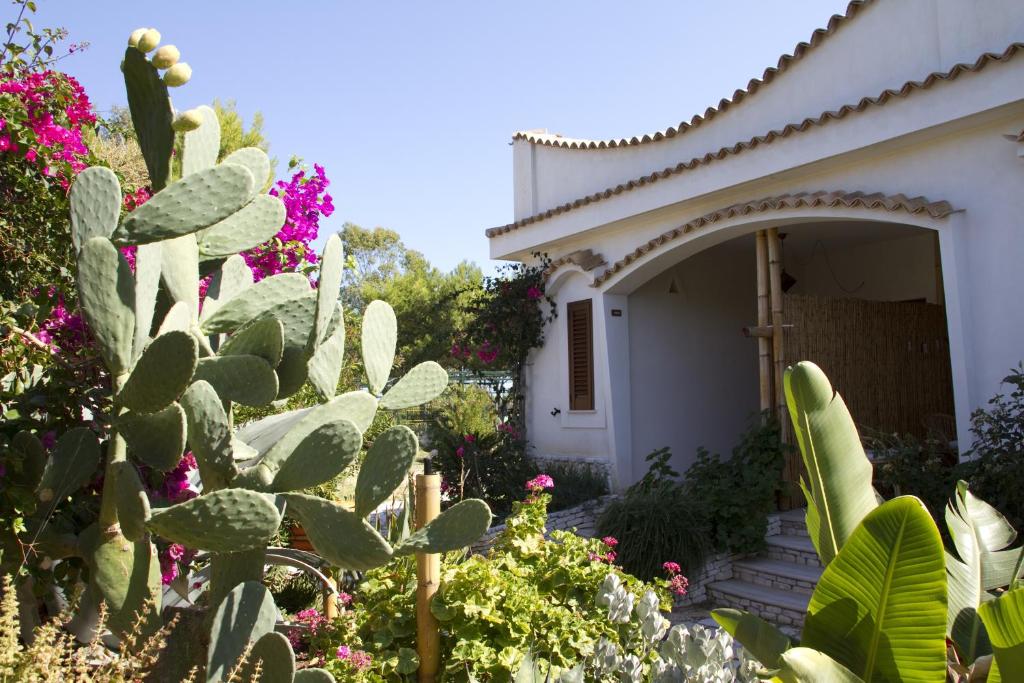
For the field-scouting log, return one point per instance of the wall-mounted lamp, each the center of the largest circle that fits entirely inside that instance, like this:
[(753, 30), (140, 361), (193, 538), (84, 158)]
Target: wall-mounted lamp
[(555, 412)]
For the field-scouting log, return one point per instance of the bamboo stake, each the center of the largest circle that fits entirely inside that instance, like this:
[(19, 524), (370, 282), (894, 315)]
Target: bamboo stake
[(428, 574), (331, 599), (775, 278), (764, 352)]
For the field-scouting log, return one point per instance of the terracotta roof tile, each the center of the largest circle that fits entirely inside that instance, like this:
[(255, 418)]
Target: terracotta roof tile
[(584, 258), (877, 200), (907, 89), (753, 86)]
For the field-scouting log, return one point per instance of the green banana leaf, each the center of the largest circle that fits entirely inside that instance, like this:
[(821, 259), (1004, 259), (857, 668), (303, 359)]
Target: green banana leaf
[(804, 665), (838, 484), (1004, 621), (879, 608), (761, 639), (980, 535)]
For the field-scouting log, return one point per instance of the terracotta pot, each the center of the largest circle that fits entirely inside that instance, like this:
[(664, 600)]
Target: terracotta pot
[(298, 540)]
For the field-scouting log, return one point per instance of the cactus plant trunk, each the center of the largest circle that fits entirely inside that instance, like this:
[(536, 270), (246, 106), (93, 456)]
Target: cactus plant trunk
[(117, 452)]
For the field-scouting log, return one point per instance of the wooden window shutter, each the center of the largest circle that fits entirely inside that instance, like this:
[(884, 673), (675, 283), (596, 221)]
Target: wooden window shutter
[(581, 355)]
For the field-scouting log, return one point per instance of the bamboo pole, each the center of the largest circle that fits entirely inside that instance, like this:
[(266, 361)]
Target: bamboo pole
[(428, 574), (775, 281), (331, 599), (764, 352)]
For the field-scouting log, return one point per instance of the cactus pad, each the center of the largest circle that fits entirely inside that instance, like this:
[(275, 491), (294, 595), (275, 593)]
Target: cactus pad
[(457, 527), (276, 660), (228, 520), (386, 466), (331, 263), (292, 371), (151, 114), (162, 373), (358, 407), (148, 258), (132, 504), (255, 300), (33, 459), (325, 366), (313, 676), (423, 383), (245, 615), (157, 440), (248, 380), (263, 337), (337, 534), (196, 201), (252, 225), (95, 204), (380, 336), (179, 270), (128, 576), (71, 465), (231, 279), (254, 159), (178, 319), (320, 457), (209, 435), (106, 288), (201, 145)]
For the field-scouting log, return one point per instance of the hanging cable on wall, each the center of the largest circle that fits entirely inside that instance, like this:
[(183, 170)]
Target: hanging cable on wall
[(831, 270)]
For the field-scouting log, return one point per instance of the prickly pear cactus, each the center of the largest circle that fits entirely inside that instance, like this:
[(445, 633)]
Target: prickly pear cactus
[(177, 374)]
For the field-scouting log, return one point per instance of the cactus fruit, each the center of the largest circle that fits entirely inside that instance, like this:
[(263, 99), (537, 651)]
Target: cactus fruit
[(187, 121), (178, 75), (166, 57), (251, 343), (136, 36), (148, 41)]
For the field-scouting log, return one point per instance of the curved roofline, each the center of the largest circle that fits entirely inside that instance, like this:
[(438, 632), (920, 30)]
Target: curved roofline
[(799, 200), (755, 84), (865, 103)]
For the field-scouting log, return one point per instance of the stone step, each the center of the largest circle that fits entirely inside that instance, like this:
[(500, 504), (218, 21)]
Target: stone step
[(793, 522), (781, 607), (795, 549), (799, 578)]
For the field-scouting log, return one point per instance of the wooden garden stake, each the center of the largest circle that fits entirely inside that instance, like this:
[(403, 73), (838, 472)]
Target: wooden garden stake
[(764, 350), (428, 574)]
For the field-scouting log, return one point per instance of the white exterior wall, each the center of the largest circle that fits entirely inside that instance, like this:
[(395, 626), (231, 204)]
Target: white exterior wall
[(944, 143), (694, 375)]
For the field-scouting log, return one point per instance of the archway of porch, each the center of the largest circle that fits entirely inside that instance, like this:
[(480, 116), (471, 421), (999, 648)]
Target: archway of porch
[(692, 377)]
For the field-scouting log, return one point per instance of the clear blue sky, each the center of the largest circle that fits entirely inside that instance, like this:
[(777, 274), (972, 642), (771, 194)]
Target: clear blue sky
[(410, 106)]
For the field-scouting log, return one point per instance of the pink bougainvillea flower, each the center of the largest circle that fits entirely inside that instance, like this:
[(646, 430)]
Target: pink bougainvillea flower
[(533, 293)]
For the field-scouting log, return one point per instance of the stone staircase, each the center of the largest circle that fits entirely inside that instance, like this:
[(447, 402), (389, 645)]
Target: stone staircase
[(776, 585)]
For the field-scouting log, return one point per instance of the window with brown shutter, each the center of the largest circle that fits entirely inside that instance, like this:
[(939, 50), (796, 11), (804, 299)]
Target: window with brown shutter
[(581, 355)]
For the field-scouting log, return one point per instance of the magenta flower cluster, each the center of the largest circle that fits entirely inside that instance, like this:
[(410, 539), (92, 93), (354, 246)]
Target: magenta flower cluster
[(608, 556), (175, 488), (677, 583), (306, 200), (539, 483), (54, 146), (64, 331), (358, 658)]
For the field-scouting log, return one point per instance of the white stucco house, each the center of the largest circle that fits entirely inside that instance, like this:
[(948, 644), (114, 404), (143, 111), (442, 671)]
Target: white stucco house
[(882, 163)]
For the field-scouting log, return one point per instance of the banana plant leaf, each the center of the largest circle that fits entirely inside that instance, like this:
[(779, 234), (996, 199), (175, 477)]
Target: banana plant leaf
[(1004, 621), (838, 484), (804, 665), (982, 561), (880, 606)]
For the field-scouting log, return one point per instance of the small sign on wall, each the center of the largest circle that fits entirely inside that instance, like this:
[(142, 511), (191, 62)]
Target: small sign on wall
[(616, 312)]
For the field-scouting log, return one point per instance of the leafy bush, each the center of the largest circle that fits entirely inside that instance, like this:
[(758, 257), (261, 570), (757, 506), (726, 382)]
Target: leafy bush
[(578, 483), (529, 594), (657, 519), (906, 465), (738, 494), (996, 472), (661, 516)]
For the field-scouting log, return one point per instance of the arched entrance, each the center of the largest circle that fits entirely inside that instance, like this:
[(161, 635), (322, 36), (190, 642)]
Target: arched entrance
[(864, 298)]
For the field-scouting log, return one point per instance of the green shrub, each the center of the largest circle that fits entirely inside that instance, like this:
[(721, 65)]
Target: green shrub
[(996, 470), (655, 521), (906, 465), (738, 494), (576, 483), (529, 594)]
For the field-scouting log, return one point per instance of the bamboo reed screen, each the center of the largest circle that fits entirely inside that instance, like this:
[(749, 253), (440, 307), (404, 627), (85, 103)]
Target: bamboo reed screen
[(888, 360)]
